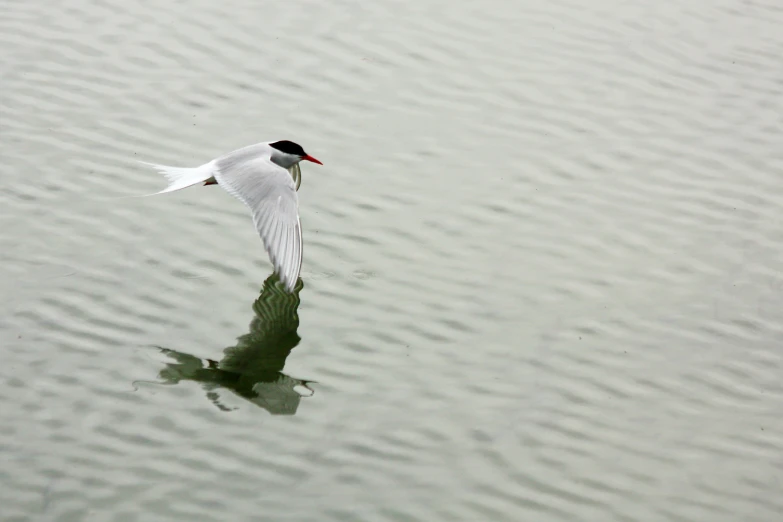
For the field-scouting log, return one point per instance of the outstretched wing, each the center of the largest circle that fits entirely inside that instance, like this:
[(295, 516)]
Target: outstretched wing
[(270, 193)]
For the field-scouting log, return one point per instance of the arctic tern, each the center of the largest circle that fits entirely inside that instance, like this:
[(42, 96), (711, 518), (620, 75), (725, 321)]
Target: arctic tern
[(265, 177)]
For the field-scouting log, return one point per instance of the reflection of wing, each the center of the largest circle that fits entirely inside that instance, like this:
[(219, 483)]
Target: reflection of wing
[(272, 332), (296, 173), (251, 369)]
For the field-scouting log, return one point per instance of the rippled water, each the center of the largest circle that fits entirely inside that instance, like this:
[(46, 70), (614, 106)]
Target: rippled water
[(541, 279)]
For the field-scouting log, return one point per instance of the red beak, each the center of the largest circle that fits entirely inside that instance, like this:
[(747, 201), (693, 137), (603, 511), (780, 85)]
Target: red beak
[(310, 158)]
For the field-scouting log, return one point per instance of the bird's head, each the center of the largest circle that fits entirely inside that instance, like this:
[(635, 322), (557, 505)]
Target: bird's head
[(287, 154)]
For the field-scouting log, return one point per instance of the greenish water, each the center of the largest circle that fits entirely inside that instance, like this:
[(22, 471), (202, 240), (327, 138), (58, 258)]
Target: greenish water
[(541, 272)]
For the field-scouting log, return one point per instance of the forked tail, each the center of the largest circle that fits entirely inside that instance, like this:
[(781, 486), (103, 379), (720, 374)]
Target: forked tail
[(182, 177)]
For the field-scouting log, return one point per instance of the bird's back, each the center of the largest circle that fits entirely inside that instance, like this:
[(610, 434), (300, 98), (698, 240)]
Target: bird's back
[(236, 158)]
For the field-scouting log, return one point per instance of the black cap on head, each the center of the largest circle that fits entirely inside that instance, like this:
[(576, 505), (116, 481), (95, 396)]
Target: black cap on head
[(289, 147)]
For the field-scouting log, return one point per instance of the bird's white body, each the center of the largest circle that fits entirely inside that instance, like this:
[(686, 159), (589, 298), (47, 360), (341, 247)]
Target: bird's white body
[(266, 180)]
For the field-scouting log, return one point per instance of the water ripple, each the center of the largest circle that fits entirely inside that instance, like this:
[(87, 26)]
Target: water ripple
[(540, 277)]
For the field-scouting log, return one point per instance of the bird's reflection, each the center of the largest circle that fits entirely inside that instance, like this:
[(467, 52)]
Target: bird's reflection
[(253, 368)]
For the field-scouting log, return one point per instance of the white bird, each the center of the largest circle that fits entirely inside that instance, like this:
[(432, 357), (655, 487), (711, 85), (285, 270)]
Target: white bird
[(265, 177)]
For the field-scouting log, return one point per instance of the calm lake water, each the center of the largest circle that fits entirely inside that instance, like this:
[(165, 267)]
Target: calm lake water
[(542, 276)]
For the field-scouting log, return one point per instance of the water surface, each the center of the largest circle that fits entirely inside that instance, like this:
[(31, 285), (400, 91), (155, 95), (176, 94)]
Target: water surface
[(541, 276)]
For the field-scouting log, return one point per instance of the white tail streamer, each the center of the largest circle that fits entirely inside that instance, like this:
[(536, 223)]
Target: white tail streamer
[(182, 177)]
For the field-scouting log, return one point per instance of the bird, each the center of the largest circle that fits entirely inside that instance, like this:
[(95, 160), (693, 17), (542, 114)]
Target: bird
[(265, 177)]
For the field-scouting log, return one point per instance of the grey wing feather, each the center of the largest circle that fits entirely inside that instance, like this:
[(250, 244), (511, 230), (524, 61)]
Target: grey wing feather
[(296, 173), (270, 193)]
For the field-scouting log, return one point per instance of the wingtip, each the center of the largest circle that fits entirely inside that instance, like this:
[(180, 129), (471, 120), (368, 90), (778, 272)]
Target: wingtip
[(290, 287)]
